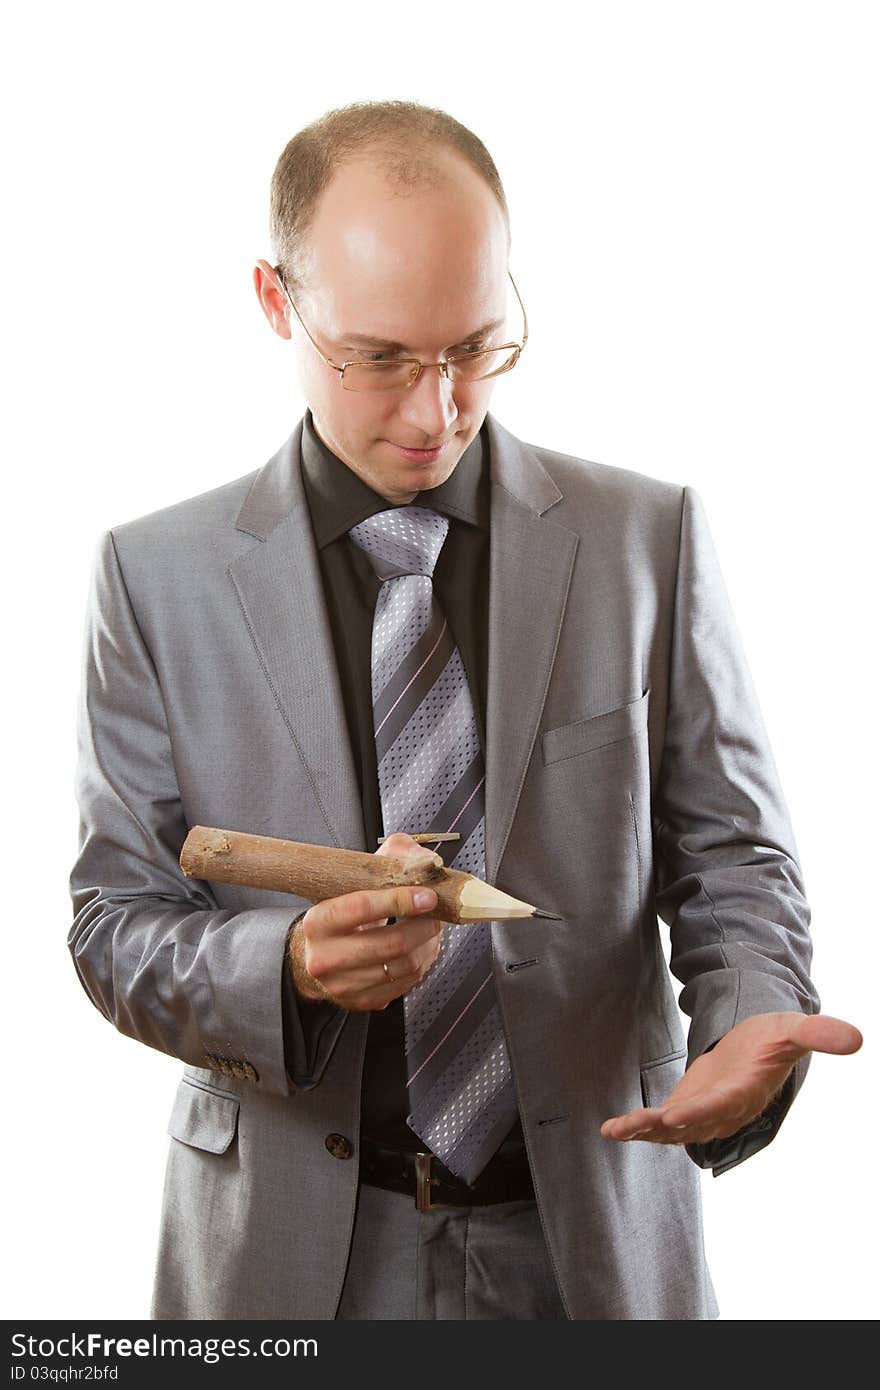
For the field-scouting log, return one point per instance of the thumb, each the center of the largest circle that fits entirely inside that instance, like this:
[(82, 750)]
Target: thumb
[(822, 1033), (403, 846)]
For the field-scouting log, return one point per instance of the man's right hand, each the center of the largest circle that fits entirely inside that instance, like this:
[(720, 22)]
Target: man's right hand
[(341, 948)]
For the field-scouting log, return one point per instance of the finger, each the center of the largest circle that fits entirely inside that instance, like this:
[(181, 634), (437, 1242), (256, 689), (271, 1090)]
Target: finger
[(341, 915), (403, 846), (822, 1033), (415, 964), (684, 1134), (376, 998), (707, 1107), (375, 987), (398, 843), (397, 941), (370, 926), (345, 966), (687, 1134), (627, 1126), (652, 1127)]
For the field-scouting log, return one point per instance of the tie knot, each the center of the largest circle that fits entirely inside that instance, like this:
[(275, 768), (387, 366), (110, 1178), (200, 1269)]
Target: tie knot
[(404, 540)]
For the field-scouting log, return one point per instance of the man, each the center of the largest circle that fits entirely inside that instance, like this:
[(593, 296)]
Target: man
[(408, 622)]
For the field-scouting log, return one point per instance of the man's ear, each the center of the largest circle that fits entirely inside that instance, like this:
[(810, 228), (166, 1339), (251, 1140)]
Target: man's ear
[(273, 300)]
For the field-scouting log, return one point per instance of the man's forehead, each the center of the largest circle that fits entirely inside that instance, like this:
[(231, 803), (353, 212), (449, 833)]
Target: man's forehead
[(403, 270), (408, 310), (370, 223)]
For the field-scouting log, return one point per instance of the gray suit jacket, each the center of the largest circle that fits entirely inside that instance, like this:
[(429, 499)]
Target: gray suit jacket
[(628, 774)]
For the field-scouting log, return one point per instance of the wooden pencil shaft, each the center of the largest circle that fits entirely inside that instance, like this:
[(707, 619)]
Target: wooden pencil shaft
[(314, 872)]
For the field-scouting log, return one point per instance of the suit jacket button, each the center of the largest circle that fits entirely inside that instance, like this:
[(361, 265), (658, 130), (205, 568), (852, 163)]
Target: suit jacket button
[(338, 1146)]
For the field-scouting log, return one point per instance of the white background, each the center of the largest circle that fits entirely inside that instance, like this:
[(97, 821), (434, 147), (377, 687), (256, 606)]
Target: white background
[(693, 189)]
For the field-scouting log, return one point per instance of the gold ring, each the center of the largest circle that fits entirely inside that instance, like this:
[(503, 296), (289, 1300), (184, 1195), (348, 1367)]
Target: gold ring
[(387, 973)]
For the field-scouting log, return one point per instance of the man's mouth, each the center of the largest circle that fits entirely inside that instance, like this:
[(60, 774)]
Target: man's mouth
[(422, 455)]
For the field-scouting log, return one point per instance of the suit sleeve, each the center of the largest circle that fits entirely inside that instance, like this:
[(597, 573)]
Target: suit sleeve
[(152, 949), (728, 881)]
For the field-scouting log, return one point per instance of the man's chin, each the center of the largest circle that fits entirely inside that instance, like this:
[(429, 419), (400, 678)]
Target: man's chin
[(398, 479), (430, 474)]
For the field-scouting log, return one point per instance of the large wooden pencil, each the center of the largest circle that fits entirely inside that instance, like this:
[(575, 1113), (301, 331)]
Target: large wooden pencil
[(316, 872)]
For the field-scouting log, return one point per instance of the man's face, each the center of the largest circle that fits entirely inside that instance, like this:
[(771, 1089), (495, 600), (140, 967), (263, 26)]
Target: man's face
[(419, 275)]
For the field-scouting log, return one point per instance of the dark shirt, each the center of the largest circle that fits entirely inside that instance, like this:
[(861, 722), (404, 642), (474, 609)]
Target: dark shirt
[(338, 499)]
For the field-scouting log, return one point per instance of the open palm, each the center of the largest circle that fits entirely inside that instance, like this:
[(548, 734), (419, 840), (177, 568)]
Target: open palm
[(729, 1086)]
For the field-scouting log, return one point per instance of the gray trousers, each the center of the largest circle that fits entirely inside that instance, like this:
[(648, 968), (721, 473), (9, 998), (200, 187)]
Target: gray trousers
[(455, 1263)]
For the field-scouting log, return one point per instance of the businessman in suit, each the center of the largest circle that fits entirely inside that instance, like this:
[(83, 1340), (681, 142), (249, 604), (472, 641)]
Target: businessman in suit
[(408, 621)]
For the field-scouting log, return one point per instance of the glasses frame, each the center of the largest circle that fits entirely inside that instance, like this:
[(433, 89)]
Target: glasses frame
[(443, 367)]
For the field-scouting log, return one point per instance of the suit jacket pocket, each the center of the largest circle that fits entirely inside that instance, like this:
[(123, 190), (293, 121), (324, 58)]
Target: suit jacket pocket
[(658, 1078), (202, 1118), (583, 735)]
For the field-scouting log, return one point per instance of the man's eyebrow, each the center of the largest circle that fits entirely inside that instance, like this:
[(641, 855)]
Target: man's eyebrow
[(365, 340)]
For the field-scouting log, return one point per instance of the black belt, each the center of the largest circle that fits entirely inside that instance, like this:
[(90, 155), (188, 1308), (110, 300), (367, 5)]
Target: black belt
[(423, 1176)]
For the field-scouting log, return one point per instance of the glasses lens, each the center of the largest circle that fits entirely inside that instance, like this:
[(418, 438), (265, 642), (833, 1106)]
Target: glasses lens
[(378, 376), (475, 366)]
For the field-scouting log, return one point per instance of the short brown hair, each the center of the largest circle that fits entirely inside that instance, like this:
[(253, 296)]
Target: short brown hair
[(401, 133)]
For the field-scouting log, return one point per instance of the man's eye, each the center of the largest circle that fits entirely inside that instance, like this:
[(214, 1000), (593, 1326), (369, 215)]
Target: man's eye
[(470, 348)]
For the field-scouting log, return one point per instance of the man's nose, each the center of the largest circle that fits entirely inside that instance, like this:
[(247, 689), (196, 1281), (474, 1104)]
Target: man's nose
[(430, 406)]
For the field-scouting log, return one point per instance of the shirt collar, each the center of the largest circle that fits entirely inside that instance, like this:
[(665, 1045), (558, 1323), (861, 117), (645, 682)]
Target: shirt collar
[(338, 499)]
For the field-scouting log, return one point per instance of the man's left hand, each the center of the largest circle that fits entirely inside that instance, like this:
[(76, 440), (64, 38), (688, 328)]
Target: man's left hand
[(729, 1086)]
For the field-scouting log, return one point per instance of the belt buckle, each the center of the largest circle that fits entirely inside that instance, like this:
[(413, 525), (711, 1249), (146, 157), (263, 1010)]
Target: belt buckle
[(423, 1184)]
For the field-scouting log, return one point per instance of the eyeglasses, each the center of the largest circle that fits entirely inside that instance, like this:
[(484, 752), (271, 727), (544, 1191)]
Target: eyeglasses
[(393, 373)]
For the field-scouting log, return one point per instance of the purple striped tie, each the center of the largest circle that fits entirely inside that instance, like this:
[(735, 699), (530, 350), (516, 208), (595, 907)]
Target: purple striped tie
[(431, 777)]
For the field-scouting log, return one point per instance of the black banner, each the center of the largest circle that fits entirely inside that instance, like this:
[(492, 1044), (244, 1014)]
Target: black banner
[(140, 1353)]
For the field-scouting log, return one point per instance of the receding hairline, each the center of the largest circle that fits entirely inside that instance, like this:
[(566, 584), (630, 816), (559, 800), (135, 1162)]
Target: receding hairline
[(411, 167), (431, 171), (406, 142)]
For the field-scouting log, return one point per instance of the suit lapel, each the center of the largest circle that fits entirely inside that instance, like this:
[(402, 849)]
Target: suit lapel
[(279, 588), (531, 561)]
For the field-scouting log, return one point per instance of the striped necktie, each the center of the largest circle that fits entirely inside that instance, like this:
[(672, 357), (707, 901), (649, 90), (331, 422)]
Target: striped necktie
[(431, 777)]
